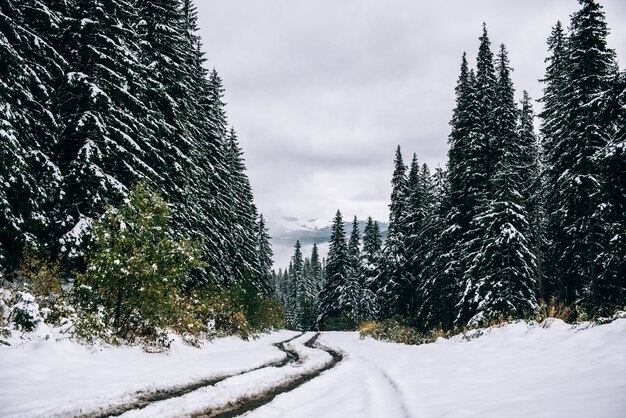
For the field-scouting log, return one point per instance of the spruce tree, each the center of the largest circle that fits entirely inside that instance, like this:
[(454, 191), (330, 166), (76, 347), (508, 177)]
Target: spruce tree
[(371, 258), (100, 149), (552, 130), (575, 232), (465, 177), (216, 195), (337, 277), (29, 180), (504, 266), (353, 292), (297, 288), (483, 155), (439, 289), (533, 185), (608, 289), (242, 243), (393, 275), (265, 253)]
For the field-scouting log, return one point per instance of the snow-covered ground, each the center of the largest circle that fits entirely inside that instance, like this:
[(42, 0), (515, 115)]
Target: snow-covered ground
[(249, 384), (518, 370), (64, 378)]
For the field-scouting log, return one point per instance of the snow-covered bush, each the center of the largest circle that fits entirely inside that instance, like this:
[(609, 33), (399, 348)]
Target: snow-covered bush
[(25, 314), (42, 278), (138, 268)]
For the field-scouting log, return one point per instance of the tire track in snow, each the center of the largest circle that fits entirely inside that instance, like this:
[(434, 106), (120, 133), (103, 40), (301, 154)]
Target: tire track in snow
[(373, 369), (250, 403), (145, 398)]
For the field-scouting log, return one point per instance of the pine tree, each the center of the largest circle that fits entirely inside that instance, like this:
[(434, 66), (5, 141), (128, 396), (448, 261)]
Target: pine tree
[(419, 211), (353, 292), (532, 180), (297, 287), (483, 155), (171, 99), (552, 130), (392, 276), (216, 196), (608, 289), (265, 253), (371, 257), (575, 233), (317, 274), (100, 149), (439, 290), (242, 242), (29, 181), (504, 266), (332, 297)]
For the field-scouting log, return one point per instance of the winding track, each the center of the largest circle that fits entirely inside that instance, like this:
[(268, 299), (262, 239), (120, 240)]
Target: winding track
[(246, 404), (241, 405), (146, 398)]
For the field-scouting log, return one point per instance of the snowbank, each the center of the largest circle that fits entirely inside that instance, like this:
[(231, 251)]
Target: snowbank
[(237, 387), (64, 378), (519, 370)]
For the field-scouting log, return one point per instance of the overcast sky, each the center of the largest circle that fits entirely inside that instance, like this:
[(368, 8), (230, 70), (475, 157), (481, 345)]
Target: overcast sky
[(322, 91)]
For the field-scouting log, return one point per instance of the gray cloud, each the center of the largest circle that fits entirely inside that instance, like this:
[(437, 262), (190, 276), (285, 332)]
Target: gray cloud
[(322, 91)]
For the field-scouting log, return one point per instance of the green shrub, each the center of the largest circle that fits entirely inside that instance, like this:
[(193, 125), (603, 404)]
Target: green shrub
[(137, 268)]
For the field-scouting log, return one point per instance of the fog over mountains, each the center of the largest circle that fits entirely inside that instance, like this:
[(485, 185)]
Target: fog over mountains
[(286, 230)]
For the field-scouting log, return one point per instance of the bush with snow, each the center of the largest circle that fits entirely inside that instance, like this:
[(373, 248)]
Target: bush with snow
[(137, 269), (25, 314)]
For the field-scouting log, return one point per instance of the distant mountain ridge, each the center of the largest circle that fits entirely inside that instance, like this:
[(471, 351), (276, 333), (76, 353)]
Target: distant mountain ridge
[(290, 229)]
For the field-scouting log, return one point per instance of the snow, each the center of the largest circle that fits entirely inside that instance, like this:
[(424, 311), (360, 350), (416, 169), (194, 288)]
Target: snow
[(64, 378), (518, 370), (231, 389)]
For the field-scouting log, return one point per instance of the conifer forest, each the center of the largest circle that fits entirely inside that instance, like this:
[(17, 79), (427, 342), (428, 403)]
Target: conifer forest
[(138, 276), (516, 221)]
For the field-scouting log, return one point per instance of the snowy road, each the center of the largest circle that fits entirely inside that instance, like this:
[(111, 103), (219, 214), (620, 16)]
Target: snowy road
[(520, 370)]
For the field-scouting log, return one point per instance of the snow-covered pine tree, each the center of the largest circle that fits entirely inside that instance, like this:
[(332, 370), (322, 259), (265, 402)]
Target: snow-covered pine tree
[(315, 284), (533, 185), (244, 257), (297, 289), (317, 273), (337, 274), (504, 265), (392, 275), (413, 222), (210, 198), (439, 290), (101, 147), (308, 297), (479, 166), (418, 239), (29, 181), (353, 292), (40, 127), (265, 254), (552, 131), (370, 259), (608, 288), (575, 232), (445, 271), (216, 194), (14, 172), (171, 99)]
